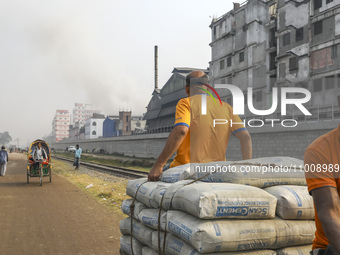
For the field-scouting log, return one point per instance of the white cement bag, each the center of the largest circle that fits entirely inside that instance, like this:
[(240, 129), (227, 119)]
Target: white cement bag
[(126, 207), (179, 173), (293, 202), (221, 200), (149, 217), (261, 172), (296, 250), (176, 246), (139, 231), (239, 235), (147, 192), (148, 251), (125, 245)]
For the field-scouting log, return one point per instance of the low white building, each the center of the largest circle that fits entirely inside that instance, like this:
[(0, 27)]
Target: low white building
[(94, 126), (137, 124)]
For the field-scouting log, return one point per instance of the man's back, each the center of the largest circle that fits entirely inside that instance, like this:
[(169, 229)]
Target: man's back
[(204, 142)]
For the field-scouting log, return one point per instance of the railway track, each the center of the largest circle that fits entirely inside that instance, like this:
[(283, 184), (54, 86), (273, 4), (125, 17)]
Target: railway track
[(118, 171)]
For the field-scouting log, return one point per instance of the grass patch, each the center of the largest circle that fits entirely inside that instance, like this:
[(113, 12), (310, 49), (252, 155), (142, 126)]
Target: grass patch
[(111, 160), (110, 193)]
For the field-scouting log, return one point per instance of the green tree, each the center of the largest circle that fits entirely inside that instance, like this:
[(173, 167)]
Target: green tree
[(5, 138)]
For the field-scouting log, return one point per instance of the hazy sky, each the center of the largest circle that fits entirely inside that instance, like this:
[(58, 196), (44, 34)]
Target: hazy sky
[(56, 53)]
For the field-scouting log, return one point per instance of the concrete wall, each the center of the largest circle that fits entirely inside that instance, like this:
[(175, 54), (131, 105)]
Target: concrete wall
[(267, 142)]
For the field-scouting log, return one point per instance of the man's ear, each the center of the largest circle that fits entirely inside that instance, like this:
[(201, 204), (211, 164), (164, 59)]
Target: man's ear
[(187, 90)]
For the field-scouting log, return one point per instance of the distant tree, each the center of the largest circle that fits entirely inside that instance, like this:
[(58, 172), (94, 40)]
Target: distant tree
[(5, 138)]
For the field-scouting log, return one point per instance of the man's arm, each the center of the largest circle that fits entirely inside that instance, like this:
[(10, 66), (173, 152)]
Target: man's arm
[(175, 139), (327, 204), (246, 145)]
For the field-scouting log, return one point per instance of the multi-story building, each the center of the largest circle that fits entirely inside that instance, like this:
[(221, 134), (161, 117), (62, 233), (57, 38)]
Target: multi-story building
[(243, 49), (308, 50), (60, 125), (279, 43), (94, 126), (82, 112)]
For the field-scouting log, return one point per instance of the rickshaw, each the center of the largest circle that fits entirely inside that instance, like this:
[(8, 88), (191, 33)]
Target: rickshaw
[(39, 168)]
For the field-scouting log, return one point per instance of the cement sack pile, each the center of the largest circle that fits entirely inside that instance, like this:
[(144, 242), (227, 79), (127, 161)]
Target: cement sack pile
[(225, 217)]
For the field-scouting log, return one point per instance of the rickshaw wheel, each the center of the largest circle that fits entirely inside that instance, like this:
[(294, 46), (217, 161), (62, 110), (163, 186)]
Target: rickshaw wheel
[(50, 174), (28, 178)]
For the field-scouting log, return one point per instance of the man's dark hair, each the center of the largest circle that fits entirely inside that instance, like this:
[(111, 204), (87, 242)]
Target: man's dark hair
[(196, 81), (77, 145), (2, 147)]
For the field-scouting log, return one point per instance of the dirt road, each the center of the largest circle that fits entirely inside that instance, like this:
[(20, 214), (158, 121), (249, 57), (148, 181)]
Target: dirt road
[(56, 218)]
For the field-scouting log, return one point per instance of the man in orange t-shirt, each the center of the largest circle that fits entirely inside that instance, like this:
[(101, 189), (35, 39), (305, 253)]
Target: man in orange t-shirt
[(195, 136), (322, 159)]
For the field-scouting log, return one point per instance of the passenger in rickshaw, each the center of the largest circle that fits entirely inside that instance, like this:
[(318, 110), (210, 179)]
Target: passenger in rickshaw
[(39, 154)]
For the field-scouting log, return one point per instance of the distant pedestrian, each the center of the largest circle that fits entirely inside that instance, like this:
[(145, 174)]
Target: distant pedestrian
[(3, 161), (77, 156)]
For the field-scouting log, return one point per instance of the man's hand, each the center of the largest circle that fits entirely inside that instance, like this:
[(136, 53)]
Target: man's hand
[(155, 173)]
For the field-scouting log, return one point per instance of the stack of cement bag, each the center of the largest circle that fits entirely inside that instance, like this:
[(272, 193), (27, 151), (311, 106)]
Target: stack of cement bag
[(258, 207)]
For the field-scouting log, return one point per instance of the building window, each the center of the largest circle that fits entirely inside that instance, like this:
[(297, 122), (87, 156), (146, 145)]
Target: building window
[(328, 1), (222, 64), (272, 64), (228, 61), (94, 123), (334, 51), (286, 39), (127, 128), (330, 82), (94, 132), (241, 56), (299, 34), (317, 85), (318, 27), (138, 124), (293, 63), (127, 118), (272, 37), (317, 4), (223, 81)]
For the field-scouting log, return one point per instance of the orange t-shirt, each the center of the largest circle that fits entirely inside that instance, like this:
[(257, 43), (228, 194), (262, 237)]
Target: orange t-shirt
[(324, 154), (204, 142)]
